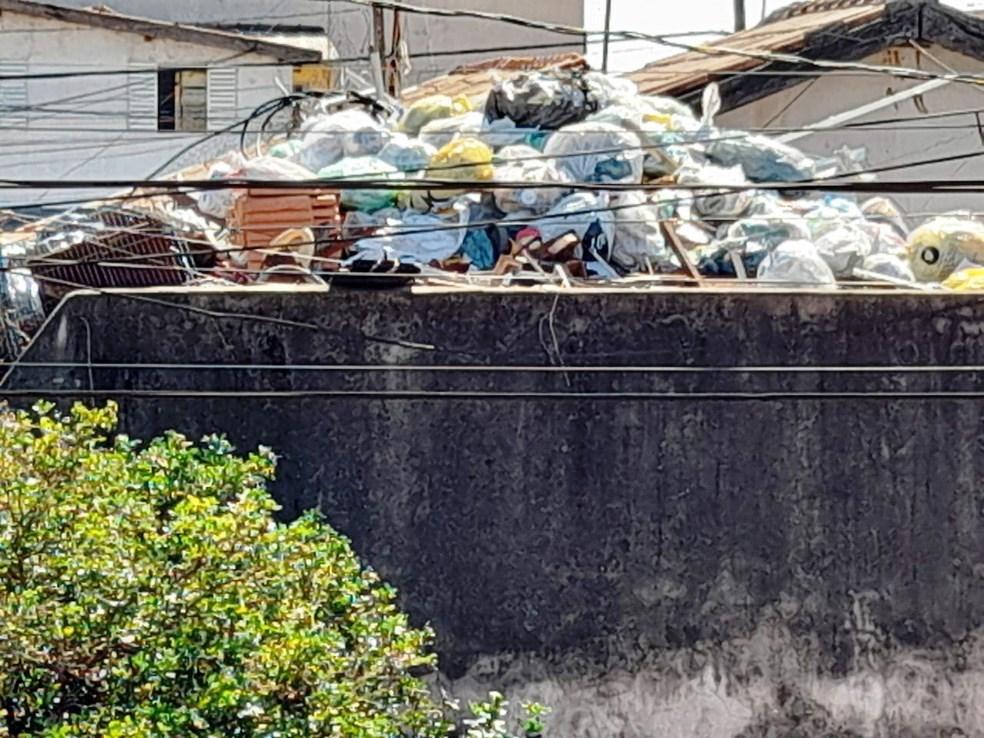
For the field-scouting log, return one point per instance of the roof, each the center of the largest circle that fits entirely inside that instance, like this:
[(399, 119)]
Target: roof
[(839, 30), (475, 80), (816, 6), (105, 18)]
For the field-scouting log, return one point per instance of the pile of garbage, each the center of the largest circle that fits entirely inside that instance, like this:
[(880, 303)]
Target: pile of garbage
[(563, 176)]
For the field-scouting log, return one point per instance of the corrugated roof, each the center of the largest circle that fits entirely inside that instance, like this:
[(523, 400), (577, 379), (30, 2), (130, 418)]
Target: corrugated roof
[(692, 69), (816, 6), (475, 80)]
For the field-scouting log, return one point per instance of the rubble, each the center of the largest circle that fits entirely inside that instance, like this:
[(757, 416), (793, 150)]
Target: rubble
[(559, 177)]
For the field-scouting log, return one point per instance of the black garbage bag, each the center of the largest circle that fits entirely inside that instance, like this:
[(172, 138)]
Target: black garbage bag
[(541, 101)]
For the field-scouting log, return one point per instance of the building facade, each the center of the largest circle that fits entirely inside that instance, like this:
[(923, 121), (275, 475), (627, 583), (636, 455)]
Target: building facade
[(96, 96)]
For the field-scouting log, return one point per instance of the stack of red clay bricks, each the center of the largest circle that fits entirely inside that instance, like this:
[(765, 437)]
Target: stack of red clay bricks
[(261, 215)]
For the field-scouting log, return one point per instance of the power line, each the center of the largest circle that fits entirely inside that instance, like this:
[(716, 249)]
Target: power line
[(492, 395), (667, 40)]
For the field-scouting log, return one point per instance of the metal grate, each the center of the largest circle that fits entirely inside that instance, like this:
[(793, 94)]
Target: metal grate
[(79, 254)]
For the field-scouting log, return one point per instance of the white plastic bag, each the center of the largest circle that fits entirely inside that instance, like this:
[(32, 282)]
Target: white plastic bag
[(889, 266), (717, 204), (417, 236), (639, 241), (796, 263), (597, 152), (607, 89), (329, 138), (219, 203), (577, 213), (526, 164), (844, 248)]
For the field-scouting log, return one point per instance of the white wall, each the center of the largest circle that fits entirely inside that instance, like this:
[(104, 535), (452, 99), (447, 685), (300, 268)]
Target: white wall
[(894, 144), (79, 127), (349, 29)]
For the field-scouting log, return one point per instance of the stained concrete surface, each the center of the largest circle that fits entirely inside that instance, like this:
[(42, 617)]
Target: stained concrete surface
[(703, 552)]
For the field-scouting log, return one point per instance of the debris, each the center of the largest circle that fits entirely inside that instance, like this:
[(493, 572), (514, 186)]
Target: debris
[(561, 179)]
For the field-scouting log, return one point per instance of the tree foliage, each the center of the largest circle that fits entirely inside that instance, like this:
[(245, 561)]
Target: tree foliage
[(148, 591)]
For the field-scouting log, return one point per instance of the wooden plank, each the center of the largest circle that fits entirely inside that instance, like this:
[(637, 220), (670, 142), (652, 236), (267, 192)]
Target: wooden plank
[(674, 241)]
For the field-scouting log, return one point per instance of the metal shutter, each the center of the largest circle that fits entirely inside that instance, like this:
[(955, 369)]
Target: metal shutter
[(142, 100), (223, 97)]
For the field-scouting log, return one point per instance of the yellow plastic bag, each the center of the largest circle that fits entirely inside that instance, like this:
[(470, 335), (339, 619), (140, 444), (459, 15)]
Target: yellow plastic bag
[(966, 280), (462, 159), (431, 108), (938, 247)]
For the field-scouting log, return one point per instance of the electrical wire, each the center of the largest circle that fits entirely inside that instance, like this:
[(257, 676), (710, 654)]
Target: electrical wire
[(667, 40), (492, 395)]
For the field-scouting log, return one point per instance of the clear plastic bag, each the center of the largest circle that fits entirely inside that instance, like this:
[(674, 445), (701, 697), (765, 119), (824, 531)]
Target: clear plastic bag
[(606, 90), (763, 233), (597, 152), (762, 159), (717, 204), (349, 133), (844, 248), (796, 263), (526, 164), (407, 154), (364, 168), (889, 266), (639, 241), (418, 236), (439, 133), (219, 203), (577, 214)]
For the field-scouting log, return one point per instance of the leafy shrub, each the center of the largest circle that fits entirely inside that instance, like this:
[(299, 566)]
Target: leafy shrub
[(148, 591)]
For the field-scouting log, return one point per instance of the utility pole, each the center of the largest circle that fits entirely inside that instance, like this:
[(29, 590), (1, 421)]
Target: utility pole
[(739, 15), (377, 49), (604, 43)]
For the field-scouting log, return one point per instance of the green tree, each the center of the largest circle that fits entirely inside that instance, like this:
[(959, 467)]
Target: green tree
[(148, 591)]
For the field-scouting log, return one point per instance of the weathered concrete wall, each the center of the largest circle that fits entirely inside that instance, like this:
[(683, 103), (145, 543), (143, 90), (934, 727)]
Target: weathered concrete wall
[(804, 558)]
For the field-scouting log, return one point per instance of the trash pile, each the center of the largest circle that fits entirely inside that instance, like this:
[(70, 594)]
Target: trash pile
[(556, 177)]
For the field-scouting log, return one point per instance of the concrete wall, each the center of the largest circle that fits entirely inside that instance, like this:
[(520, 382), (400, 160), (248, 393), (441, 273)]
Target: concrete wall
[(802, 559), (887, 144), (348, 27), (83, 127)]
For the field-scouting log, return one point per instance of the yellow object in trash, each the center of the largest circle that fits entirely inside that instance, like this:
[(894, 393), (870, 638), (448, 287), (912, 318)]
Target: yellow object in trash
[(938, 247), (966, 280), (431, 108), (660, 119), (463, 158)]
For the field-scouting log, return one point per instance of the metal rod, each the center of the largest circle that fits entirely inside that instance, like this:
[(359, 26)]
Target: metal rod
[(608, 27), (739, 15)]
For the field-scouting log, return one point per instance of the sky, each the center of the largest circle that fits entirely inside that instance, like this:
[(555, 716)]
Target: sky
[(679, 16)]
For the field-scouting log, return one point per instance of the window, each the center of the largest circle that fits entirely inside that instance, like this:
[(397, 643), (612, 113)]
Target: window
[(182, 100)]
